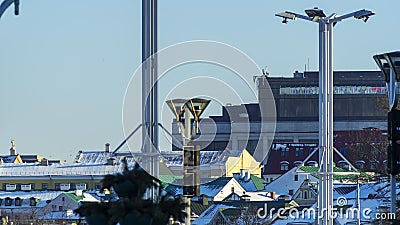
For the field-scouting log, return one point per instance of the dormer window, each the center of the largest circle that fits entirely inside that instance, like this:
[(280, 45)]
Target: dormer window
[(284, 166)]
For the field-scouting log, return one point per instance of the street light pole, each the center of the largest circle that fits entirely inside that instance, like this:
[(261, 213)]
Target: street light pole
[(190, 153), (326, 24)]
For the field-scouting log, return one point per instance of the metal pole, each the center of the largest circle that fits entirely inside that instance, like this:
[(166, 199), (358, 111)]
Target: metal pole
[(187, 137), (325, 196), (393, 193), (149, 87)]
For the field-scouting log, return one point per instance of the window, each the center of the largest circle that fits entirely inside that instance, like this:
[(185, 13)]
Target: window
[(299, 151), (57, 186), (45, 186), (284, 166), (296, 177), (305, 194), (72, 186), (232, 189), (8, 201), (63, 199), (344, 151), (32, 186), (53, 208), (97, 186), (291, 191), (285, 152), (60, 208), (18, 201)]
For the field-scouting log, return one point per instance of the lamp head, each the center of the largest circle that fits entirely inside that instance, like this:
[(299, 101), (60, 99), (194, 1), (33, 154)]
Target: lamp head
[(177, 106)]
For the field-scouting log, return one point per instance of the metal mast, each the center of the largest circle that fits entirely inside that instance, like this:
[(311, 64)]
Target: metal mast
[(149, 86)]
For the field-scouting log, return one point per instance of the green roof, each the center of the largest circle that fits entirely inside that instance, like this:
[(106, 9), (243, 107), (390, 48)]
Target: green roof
[(74, 197), (313, 169), (168, 179), (258, 182)]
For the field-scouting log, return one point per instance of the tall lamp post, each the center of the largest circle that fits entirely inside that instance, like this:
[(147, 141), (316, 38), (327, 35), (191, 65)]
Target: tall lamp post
[(183, 108), (389, 63), (326, 24)]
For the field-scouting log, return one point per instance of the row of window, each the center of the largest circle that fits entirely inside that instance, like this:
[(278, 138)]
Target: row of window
[(17, 201), (45, 186), (298, 151)]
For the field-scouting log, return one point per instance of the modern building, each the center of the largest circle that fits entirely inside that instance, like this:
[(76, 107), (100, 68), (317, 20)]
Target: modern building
[(359, 104)]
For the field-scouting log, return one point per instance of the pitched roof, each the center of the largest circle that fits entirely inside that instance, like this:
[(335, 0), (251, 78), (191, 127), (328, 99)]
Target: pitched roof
[(210, 189)]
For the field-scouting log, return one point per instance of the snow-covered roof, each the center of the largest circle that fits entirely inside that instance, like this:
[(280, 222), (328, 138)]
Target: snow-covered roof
[(286, 182), (74, 169), (208, 215)]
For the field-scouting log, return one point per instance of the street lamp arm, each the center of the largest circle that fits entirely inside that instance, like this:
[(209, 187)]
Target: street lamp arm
[(4, 5), (360, 14), (299, 16)]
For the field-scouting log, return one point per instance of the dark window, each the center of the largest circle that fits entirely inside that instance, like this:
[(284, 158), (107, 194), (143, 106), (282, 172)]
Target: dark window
[(305, 195), (57, 186), (18, 201), (18, 187), (296, 177), (284, 166), (4, 186), (344, 151), (97, 186), (291, 192), (32, 186), (72, 186), (8, 201), (60, 208), (285, 152), (232, 189), (32, 201), (63, 199), (299, 151), (45, 186)]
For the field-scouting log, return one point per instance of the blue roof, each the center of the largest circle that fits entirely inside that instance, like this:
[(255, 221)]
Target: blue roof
[(210, 189)]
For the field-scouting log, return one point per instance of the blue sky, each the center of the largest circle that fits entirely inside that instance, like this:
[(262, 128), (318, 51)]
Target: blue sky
[(65, 65)]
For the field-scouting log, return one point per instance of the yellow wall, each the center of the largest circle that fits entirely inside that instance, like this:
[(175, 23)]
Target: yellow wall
[(244, 161)]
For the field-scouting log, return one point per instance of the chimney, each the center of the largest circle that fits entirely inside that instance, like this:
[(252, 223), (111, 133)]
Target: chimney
[(273, 195), (107, 149), (204, 200), (247, 176), (12, 149), (78, 192), (44, 162), (242, 173)]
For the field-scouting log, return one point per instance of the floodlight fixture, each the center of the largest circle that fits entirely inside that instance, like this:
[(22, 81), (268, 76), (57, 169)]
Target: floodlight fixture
[(383, 65), (315, 12), (363, 14), (177, 106), (388, 61), (394, 62), (286, 16), (197, 107)]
